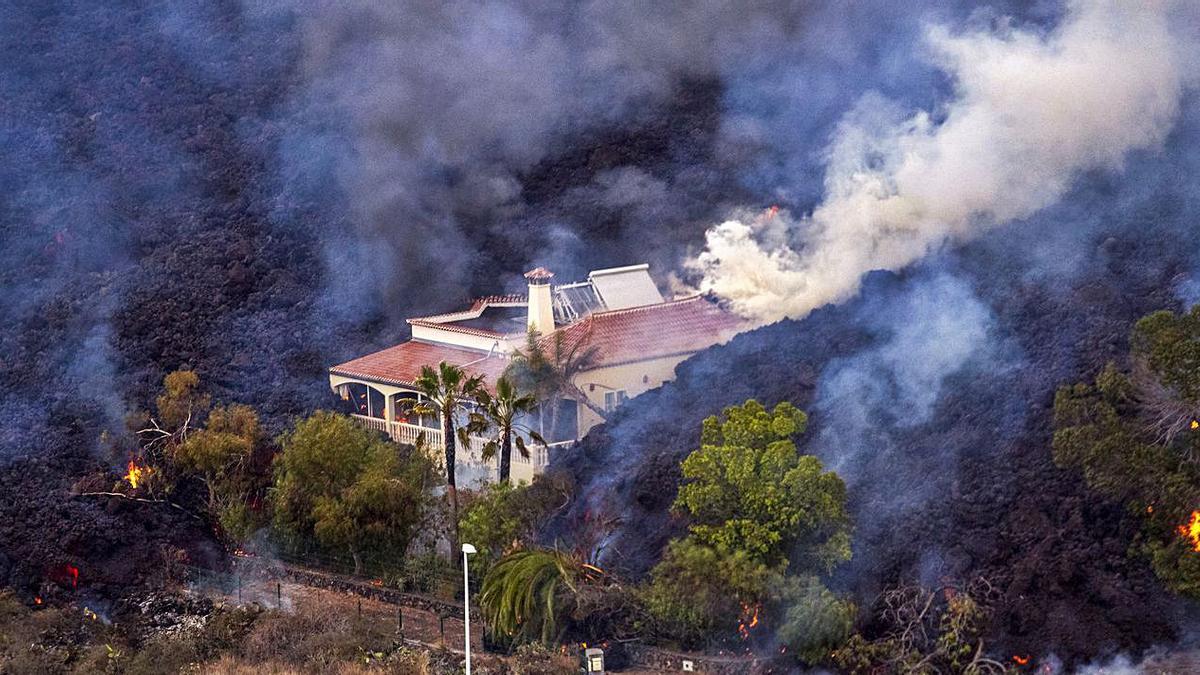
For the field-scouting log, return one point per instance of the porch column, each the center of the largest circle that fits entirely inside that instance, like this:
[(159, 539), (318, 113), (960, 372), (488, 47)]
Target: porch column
[(389, 407)]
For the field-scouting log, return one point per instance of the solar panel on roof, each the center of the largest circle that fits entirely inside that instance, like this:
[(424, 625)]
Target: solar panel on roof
[(575, 301), (622, 287)]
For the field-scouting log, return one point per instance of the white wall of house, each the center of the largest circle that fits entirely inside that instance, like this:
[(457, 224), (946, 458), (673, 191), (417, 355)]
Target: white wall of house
[(631, 378), (460, 339)]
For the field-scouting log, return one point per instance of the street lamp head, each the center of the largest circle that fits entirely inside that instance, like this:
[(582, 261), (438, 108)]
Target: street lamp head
[(467, 548)]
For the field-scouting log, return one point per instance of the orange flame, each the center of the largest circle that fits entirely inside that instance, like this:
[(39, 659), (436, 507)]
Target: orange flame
[(1192, 530), (137, 474), (771, 212), (37, 599), (749, 620), (1021, 660)]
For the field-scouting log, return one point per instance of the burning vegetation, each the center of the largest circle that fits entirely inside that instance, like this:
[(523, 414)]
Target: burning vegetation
[(136, 474), (1191, 530)]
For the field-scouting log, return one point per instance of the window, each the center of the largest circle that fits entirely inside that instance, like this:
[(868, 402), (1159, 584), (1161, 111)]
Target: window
[(612, 399)]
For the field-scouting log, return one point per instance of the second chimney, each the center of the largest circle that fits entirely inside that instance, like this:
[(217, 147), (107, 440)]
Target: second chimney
[(541, 303)]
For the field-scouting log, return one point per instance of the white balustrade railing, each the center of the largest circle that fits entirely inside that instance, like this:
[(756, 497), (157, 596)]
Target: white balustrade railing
[(402, 432)]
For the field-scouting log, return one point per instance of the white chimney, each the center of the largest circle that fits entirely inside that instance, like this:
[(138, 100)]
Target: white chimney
[(541, 304)]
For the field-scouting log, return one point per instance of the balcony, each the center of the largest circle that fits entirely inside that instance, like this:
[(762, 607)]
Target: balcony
[(470, 456)]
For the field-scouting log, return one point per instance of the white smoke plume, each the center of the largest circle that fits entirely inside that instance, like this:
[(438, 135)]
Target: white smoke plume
[(1030, 112)]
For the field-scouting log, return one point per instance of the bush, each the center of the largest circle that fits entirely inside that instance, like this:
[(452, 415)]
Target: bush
[(760, 512), (350, 490), (502, 518)]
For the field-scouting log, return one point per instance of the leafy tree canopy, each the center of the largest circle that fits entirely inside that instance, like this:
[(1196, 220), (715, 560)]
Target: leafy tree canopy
[(348, 489), (181, 402), (1134, 437), (503, 518), (766, 520), (747, 488), (1170, 343), (221, 456)]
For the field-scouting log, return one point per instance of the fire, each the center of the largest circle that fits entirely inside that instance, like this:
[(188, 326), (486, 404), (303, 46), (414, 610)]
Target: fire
[(1196, 424), (137, 474), (37, 599), (90, 614), (72, 572), (1192, 530), (749, 620), (1021, 660), (771, 212)]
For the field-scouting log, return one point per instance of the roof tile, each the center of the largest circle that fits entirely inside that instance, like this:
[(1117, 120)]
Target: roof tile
[(651, 331), (401, 365)]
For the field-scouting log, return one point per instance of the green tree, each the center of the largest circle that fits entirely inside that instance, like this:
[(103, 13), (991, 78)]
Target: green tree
[(760, 513), (1134, 436), (747, 488), (504, 518), (543, 594), (813, 621), (502, 412), (523, 596), (181, 402), (698, 592), (448, 390), (348, 489), (220, 456), (1101, 431)]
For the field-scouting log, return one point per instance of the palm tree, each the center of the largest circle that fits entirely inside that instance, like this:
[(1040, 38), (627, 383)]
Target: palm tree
[(502, 411), (532, 595), (447, 390), (550, 373)]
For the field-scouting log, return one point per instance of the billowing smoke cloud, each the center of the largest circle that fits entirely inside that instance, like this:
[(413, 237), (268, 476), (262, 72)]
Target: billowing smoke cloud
[(430, 117), (1031, 111)]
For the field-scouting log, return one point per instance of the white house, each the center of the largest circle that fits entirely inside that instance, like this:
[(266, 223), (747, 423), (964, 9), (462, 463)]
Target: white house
[(638, 338)]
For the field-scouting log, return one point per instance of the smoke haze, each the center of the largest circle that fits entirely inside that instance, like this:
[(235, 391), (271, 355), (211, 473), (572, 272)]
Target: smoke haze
[(1031, 111)]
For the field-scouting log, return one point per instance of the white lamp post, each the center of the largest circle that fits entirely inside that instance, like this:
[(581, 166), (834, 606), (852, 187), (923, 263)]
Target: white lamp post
[(467, 549)]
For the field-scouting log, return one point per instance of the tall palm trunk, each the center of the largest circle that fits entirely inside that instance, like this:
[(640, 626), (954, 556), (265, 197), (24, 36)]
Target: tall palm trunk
[(448, 442), (506, 446)]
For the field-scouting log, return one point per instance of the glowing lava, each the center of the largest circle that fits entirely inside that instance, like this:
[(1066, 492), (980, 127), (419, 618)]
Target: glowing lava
[(1021, 660), (1192, 530)]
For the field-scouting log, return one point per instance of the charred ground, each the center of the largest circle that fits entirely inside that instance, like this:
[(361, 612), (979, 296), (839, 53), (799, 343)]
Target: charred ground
[(967, 489), (128, 254)]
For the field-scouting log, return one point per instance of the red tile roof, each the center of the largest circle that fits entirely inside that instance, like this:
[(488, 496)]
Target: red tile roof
[(620, 336), (451, 326), (401, 365), (652, 331)]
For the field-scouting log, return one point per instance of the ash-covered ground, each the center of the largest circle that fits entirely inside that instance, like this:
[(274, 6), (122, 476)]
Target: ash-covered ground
[(258, 190)]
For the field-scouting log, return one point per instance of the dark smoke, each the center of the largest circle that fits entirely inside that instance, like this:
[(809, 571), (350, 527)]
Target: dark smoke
[(257, 190)]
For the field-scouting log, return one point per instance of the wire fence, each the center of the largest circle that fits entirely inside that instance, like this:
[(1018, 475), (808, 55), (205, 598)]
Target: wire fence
[(291, 583), (421, 574)]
